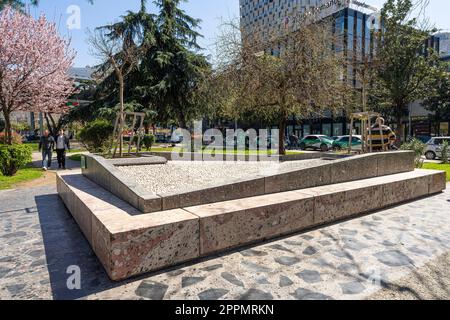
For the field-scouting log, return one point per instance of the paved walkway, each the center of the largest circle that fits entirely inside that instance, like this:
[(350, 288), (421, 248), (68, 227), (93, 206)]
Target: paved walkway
[(70, 164), (351, 260)]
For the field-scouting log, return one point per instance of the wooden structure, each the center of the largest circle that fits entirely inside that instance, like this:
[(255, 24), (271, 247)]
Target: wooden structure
[(367, 122), (119, 126)]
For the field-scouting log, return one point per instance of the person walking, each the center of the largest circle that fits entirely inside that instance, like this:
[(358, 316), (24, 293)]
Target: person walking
[(46, 145), (62, 146)]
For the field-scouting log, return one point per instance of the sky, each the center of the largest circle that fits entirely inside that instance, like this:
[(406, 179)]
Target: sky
[(211, 12)]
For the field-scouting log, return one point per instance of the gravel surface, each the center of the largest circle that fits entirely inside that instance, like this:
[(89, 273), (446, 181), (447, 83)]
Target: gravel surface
[(176, 176), (430, 282)]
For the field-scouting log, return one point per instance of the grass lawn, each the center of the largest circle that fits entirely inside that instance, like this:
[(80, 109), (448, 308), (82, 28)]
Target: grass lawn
[(24, 175), (438, 166), (75, 157)]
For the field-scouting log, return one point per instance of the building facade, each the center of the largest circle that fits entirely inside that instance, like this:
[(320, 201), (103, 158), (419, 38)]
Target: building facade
[(352, 23)]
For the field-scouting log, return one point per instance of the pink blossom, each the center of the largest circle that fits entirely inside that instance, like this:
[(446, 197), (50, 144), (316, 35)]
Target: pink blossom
[(34, 65)]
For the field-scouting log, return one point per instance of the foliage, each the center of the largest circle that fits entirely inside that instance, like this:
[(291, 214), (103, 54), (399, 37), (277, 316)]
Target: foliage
[(302, 80), (170, 73), (438, 99), (15, 138), (444, 152), (419, 149), (147, 141), (42, 82), (13, 157), (95, 135), (406, 68)]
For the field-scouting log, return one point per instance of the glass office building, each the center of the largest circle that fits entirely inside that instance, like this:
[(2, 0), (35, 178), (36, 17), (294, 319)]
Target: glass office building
[(353, 24), (267, 19)]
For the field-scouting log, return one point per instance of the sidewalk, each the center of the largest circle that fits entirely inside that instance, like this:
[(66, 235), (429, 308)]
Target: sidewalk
[(70, 164)]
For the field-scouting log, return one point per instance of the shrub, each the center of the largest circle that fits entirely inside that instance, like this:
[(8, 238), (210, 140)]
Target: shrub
[(147, 141), (444, 152), (16, 138), (95, 135), (419, 149), (13, 157)]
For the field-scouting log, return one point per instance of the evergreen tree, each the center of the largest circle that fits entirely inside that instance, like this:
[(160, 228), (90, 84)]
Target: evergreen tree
[(406, 66)]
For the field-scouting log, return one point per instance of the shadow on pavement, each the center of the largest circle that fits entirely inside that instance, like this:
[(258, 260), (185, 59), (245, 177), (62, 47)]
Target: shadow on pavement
[(66, 246)]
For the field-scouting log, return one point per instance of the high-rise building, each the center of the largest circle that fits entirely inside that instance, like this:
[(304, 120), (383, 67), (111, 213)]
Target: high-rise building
[(444, 43)]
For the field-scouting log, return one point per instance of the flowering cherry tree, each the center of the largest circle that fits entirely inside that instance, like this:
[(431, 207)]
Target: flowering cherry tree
[(34, 66)]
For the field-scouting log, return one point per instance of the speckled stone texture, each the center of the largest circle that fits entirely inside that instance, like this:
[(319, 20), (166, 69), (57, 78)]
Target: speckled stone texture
[(353, 259), (126, 242), (126, 182), (129, 243), (234, 223)]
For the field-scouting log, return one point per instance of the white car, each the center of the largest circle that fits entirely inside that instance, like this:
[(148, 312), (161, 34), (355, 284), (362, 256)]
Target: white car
[(433, 149)]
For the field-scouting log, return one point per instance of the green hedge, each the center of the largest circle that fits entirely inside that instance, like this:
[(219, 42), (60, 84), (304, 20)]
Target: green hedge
[(12, 158), (95, 135)]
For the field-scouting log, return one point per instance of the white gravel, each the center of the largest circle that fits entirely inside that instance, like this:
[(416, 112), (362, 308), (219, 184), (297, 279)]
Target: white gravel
[(186, 176)]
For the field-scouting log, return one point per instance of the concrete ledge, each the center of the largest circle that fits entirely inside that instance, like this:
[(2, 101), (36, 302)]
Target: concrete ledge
[(338, 170), (129, 243), (126, 242)]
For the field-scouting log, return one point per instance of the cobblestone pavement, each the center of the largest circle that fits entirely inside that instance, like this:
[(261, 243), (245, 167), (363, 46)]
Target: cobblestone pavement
[(351, 260)]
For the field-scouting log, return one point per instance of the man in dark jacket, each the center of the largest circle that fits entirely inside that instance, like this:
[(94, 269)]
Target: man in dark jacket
[(62, 145), (46, 145)]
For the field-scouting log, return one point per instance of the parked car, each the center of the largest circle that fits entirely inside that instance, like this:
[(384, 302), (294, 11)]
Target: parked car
[(316, 142), (433, 149), (342, 142)]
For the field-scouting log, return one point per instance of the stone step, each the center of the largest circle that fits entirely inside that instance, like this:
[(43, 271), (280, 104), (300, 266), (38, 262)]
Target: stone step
[(129, 243), (105, 173)]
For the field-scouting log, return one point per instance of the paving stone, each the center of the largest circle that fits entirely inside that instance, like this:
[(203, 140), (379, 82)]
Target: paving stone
[(287, 261), (352, 288), (309, 276), (348, 268), (341, 254), (255, 267), (387, 243), (152, 290), (16, 289), (325, 243), (348, 232), (231, 278), (212, 294), (310, 251), (307, 237), (294, 243), (394, 258), (285, 282), (353, 244), (262, 280), (4, 271), (190, 281), (6, 259), (419, 251), (255, 294), (253, 253), (280, 248), (14, 235), (176, 273), (306, 294), (212, 268)]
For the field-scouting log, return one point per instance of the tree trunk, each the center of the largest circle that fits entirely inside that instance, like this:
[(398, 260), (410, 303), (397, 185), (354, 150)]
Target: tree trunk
[(122, 119), (400, 131), (282, 134), (8, 128)]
